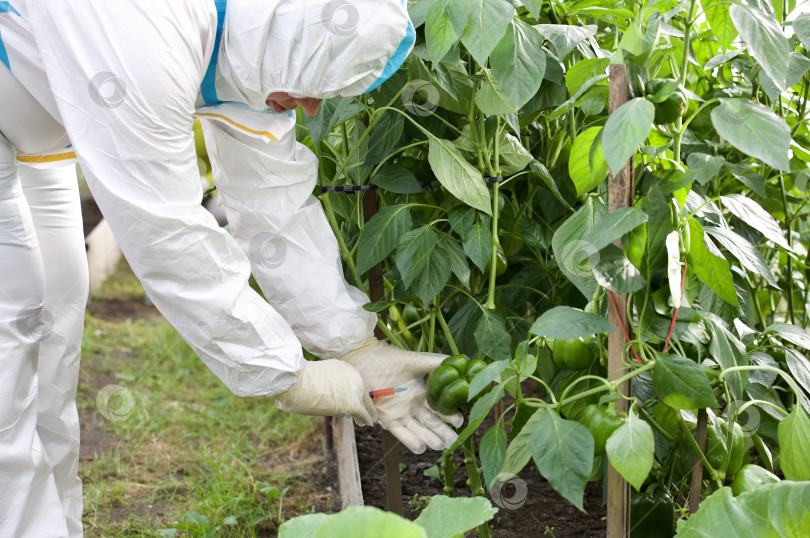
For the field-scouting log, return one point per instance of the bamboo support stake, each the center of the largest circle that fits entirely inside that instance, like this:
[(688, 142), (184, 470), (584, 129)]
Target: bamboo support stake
[(620, 194), (390, 444)]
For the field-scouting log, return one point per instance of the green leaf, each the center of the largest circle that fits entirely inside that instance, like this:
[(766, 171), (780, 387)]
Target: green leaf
[(542, 172), (750, 212), (378, 306), (444, 24), (711, 269), (626, 129), (491, 99), (461, 219), (585, 174), (479, 411), (728, 352), (765, 40), (566, 322), (801, 26), (748, 255), (396, 179), (799, 366), (534, 6), (615, 272), (485, 377), (518, 62), (798, 65), (533, 235), (485, 27), (631, 450), (563, 452), (753, 129), (458, 260), (518, 453), (705, 166), (717, 16), (492, 451), (413, 252), (331, 113), (492, 337), (583, 71), (380, 235), (791, 333), (681, 383), (462, 179), (355, 521), (794, 444), (384, 137), (514, 157), (433, 277), (772, 510), (478, 245), (615, 226), (571, 250), (453, 516), (564, 37)]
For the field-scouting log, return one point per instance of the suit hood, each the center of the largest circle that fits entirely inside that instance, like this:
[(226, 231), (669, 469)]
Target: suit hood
[(320, 48)]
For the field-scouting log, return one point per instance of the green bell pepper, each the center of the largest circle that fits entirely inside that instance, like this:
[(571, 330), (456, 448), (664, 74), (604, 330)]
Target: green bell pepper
[(448, 385), (652, 515), (601, 423)]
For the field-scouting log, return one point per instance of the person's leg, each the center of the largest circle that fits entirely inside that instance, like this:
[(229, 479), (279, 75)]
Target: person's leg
[(29, 502), (53, 198)]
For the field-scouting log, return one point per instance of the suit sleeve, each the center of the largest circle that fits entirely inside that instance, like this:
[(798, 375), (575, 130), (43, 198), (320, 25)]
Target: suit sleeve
[(125, 77), (266, 191)]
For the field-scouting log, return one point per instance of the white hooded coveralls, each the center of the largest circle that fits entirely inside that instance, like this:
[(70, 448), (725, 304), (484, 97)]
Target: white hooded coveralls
[(125, 80)]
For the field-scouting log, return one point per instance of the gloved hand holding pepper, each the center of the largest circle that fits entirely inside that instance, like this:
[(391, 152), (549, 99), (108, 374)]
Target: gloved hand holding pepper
[(404, 412)]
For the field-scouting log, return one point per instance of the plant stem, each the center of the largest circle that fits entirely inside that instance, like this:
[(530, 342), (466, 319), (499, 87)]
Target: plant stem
[(788, 226), (693, 442), (493, 261), (474, 474), (687, 40), (449, 473), (448, 336)]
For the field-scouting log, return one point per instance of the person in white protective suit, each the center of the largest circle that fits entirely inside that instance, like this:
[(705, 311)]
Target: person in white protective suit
[(117, 84)]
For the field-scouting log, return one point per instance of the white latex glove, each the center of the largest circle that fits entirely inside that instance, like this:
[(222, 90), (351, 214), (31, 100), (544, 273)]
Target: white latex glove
[(329, 388), (405, 414)]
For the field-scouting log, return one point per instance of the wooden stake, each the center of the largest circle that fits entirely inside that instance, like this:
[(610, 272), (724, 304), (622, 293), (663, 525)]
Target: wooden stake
[(620, 194), (390, 444), (697, 469)]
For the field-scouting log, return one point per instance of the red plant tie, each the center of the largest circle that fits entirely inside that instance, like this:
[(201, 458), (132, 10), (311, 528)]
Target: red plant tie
[(624, 330)]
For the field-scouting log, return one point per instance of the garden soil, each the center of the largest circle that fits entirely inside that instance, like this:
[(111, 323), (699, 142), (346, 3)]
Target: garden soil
[(545, 512)]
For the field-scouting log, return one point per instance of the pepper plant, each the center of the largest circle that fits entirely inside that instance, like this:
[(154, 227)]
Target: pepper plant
[(491, 149)]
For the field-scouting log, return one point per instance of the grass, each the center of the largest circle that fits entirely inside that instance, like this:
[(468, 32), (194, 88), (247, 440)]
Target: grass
[(168, 450)]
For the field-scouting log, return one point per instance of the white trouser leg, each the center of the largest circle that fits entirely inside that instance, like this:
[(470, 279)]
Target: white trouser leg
[(53, 198), (29, 501)]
